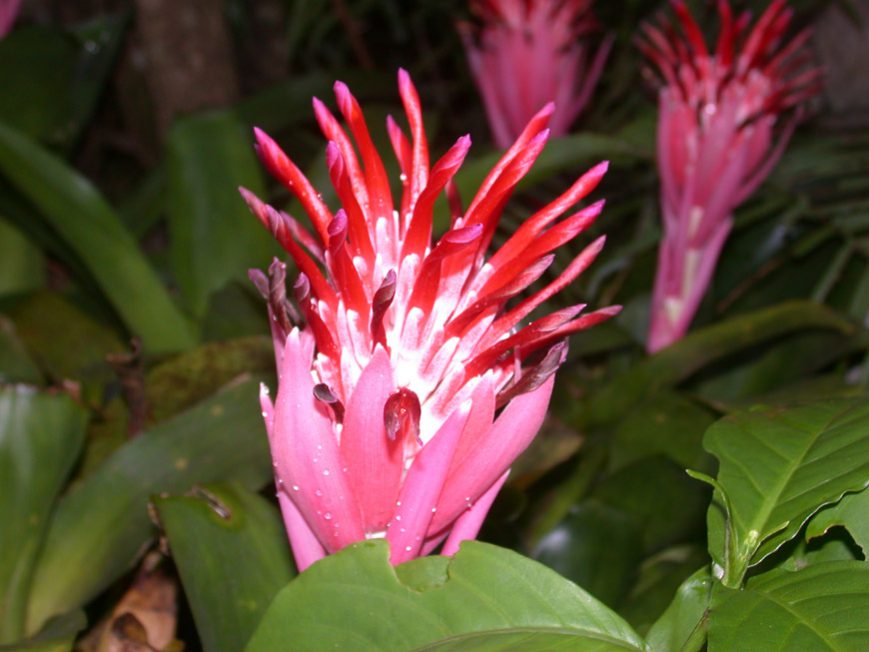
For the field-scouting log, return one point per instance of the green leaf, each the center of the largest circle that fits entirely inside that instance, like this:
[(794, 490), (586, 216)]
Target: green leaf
[(596, 546), (41, 102), (82, 217), (672, 513), (41, 435), (668, 423), (22, 265), (822, 607), (356, 600), (214, 237), (682, 624), (777, 468), (102, 525), (16, 365), (698, 349), (66, 341), (658, 582), (852, 513), (233, 557)]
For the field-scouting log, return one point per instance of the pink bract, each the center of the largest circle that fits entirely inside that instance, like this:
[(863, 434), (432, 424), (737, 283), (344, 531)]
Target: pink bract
[(717, 123), (8, 13), (526, 53), (406, 386)]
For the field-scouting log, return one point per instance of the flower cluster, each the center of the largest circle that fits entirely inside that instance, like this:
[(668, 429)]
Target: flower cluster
[(717, 123), (407, 383), (526, 53)]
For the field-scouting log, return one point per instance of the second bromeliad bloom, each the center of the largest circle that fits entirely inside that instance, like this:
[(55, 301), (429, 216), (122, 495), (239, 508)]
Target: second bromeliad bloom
[(717, 117), (394, 366), (526, 53)]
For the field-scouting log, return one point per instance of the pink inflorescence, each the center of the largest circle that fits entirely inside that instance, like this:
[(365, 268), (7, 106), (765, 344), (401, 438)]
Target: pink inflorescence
[(718, 112), (406, 384), (526, 53), (8, 13)]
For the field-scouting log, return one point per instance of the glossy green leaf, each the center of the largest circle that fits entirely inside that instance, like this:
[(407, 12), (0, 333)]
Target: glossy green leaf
[(16, 365), (41, 103), (777, 468), (672, 513), (58, 635), (657, 583), (101, 526), (822, 607), (699, 349), (82, 217), (356, 600), (41, 435), (596, 546), (214, 236), (668, 423), (22, 265), (66, 341), (682, 626), (233, 556), (852, 513)]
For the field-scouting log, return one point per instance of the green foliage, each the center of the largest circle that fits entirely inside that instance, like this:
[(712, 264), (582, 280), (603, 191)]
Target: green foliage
[(41, 435), (100, 528), (231, 581), (486, 597), (109, 232)]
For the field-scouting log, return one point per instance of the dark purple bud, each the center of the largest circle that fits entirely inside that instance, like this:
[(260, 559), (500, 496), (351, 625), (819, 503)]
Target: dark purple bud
[(324, 393)]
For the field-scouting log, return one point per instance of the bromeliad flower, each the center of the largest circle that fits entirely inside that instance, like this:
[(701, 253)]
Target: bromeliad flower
[(406, 383), (716, 126), (8, 14), (525, 53)]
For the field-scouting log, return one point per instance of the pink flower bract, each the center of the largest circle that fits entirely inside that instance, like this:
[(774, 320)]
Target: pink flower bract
[(526, 53), (718, 113), (406, 385)]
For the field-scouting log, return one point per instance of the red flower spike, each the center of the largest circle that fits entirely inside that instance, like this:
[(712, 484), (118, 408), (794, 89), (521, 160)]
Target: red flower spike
[(408, 345), (717, 127)]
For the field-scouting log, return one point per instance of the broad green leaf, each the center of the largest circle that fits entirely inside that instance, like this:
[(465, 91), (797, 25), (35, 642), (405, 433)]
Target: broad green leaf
[(39, 64), (822, 607), (852, 513), (101, 526), (58, 635), (682, 626), (596, 546), (22, 265), (66, 341), (777, 468), (214, 236), (668, 423), (82, 217), (233, 556), (58, 76), (356, 600), (16, 365), (658, 582), (99, 41), (672, 513), (41, 435), (697, 350)]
